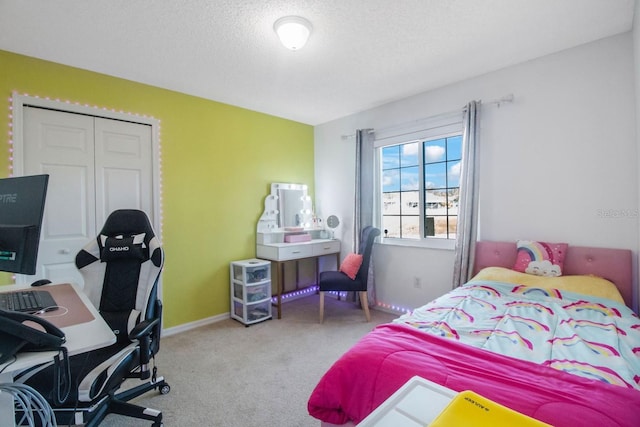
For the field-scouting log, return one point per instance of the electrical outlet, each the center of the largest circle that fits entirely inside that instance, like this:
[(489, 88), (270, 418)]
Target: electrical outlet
[(416, 283)]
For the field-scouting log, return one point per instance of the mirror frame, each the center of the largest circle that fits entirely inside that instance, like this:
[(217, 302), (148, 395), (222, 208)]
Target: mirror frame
[(270, 221)]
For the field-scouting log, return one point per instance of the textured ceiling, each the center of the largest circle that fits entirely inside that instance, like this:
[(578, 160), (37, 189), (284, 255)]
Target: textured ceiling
[(361, 54)]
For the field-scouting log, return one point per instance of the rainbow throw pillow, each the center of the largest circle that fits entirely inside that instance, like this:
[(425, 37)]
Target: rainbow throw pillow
[(540, 258)]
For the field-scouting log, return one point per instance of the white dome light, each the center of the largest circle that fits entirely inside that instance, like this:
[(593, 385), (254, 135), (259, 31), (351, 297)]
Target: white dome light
[(293, 31)]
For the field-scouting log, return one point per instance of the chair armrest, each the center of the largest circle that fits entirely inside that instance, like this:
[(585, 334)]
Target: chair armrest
[(143, 329)]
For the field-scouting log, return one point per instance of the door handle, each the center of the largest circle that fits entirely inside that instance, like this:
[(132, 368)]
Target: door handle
[(64, 251)]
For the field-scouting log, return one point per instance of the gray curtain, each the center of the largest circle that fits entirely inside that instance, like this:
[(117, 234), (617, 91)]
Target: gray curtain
[(467, 230), (364, 188)]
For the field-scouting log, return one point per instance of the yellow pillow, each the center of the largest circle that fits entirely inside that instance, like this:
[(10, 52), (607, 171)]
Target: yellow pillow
[(587, 285)]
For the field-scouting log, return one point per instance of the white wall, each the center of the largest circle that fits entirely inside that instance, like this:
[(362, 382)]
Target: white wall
[(553, 163)]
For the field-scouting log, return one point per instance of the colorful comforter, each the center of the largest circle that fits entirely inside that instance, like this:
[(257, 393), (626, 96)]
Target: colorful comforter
[(501, 341), (593, 338)]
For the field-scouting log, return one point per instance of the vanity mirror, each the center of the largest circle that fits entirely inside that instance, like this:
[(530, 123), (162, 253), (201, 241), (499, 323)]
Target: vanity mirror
[(286, 232), (288, 207)]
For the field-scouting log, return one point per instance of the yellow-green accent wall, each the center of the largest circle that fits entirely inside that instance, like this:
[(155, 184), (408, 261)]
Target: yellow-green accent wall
[(217, 165)]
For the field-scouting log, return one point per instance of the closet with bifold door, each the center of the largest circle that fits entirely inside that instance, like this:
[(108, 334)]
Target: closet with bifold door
[(96, 165)]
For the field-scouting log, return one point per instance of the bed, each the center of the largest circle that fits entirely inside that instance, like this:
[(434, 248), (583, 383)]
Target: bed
[(564, 350)]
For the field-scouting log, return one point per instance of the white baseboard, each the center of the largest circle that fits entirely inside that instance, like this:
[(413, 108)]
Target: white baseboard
[(224, 316), (192, 325), (388, 310)]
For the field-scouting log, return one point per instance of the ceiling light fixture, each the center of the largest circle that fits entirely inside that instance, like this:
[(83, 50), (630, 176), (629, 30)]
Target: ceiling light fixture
[(293, 31)]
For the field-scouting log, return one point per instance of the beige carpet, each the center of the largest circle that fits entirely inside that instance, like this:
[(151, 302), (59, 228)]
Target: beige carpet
[(229, 375)]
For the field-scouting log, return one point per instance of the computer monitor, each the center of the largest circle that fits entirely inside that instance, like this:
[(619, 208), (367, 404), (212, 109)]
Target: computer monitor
[(21, 210)]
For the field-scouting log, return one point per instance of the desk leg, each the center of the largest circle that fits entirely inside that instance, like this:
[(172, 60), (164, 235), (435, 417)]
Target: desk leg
[(338, 268), (280, 287)]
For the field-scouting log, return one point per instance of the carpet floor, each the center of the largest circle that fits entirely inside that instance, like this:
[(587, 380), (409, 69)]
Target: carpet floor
[(229, 375)]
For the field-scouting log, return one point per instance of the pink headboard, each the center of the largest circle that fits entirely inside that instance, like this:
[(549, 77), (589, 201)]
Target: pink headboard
[(611, 264)]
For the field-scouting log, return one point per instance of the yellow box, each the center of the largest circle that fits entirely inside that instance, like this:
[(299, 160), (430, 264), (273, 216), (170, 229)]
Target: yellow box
[(472, 410)]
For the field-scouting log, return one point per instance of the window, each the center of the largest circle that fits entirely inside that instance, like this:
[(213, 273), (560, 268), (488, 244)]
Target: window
[(420, 186)]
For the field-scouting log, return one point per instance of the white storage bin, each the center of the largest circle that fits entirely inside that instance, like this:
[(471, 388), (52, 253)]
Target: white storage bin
[(250, 290)]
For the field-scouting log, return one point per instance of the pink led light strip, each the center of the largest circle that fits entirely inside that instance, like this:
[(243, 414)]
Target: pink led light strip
[(95, 107)]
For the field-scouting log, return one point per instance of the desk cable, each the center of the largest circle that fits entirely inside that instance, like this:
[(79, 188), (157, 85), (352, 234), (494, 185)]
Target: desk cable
[(61, 376), (30, 404)]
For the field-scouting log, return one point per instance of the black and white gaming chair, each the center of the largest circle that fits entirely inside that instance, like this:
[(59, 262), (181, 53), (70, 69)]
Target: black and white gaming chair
[(121, 269)]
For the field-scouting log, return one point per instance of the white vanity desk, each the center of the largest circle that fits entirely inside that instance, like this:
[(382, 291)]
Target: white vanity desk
[(279, 253), (292, 251), (288, 214)]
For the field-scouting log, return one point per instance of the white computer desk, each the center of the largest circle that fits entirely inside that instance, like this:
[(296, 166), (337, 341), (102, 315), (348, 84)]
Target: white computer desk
[(84, 329)]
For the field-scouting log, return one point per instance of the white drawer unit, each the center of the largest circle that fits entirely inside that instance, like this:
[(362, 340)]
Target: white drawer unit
[(250, 290), (291, 251), (285, 251), (272, 246), (326, 247)]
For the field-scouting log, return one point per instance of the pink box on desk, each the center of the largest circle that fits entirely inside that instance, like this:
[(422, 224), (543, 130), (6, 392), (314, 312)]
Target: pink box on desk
[(296, 238)]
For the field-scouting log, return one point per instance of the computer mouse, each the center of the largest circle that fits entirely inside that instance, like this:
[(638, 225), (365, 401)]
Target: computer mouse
[(41, 282)]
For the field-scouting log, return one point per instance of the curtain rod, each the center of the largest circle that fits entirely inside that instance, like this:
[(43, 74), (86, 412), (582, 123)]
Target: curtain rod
[(496, 102)]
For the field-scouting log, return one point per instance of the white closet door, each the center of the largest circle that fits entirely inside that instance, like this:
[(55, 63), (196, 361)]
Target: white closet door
[(96, 165), (62, 145), (123, 167)]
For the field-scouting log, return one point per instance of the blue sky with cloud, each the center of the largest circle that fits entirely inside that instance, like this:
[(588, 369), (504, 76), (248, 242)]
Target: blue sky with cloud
[(401, 163)]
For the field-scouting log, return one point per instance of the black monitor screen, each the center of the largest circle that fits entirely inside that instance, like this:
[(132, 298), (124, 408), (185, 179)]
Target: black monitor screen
[(21, 211)]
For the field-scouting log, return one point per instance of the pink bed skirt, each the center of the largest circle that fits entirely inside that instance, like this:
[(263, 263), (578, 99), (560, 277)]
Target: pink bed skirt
[(390, 355)]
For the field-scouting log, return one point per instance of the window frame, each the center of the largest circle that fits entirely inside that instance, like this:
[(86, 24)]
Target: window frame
[(443, 126)]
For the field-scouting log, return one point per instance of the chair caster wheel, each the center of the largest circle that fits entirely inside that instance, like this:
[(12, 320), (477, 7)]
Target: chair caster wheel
[(165, 389)]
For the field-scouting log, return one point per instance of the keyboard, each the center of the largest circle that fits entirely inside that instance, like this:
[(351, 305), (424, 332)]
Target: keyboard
[(27, 301)]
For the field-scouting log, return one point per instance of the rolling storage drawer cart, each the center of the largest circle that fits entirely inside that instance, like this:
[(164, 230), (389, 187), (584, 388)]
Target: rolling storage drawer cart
[(251, 290)]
